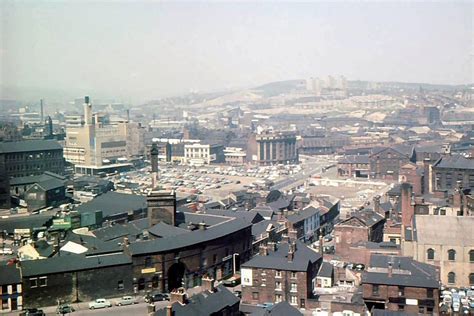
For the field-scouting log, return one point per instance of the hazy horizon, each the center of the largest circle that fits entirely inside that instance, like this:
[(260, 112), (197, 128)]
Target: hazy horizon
[(140, 51)]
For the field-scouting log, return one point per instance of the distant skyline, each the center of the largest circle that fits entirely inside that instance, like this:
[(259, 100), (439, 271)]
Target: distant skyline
[(140, 51)]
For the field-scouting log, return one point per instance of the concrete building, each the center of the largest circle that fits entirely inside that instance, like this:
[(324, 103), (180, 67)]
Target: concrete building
[(400, 284), (203, 154), (276, 148), (97, 145), (235, 156)]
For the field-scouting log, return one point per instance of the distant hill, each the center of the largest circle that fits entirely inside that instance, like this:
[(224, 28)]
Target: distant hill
[(276, 88)]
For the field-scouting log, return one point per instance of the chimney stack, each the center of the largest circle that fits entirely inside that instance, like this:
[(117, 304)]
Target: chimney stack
[(169, 310), (87, 111), (154, 165), (178, 295), (390, 269), (292, 234), (427, 176), (263, 250), (41, 111), (208, 284), (408, 210), (376, 201), (291, 251)]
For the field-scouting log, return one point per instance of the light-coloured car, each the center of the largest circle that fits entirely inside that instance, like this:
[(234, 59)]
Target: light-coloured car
[(126, 300), (99, 303)]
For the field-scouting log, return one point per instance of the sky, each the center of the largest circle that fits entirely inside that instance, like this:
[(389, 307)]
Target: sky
[(144, 50)]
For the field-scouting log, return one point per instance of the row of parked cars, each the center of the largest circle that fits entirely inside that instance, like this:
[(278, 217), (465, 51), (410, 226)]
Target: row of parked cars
[(458, 300)]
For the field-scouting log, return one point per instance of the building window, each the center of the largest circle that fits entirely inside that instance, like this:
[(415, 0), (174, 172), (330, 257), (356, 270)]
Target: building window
[(255, 296), (214, 258), (278, 272), (278, 285), (120, 285), (471, 279), (429, 293), (34, 283), (451, 278), (42, 282), (401, 291), (293, 300), (278, 298), (401, 307), (471, 256), (293, 274), (429, 310), (294, 287), (302, 303), (154, 281), (375, 290), (421, 309), (451, 254), (430, 253), (148, 262)]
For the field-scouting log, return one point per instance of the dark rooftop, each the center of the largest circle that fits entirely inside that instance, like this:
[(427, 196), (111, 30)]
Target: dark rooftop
[(29, 145), (326, 270), (112, 203), (9, 274), (455, 162)]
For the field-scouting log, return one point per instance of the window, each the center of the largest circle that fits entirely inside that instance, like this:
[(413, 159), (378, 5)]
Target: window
[(278, 285), (154, 281), (214, 258), (429, 293), (451, 278), (278, 298), (148, 262), (34, 283), (294, 287), (120, 285), (401, 307), (255, 295), (302, 303), (421, 309), (293, 300), (375, 290), (429, 310), (430, 253), (293, 274), (451, 254), (471, 256), (43, 281), (401, 291), (471, 279), (278, 273)]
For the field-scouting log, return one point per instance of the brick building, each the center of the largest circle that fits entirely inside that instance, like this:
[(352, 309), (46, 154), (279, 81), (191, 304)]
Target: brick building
[(281, 272), (353, 166), (400, 284), (385, 162), (449, 172), (10, 288), (365, 225)]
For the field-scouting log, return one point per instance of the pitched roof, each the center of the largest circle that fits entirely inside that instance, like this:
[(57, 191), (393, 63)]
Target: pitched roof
[(112, 203), (354, 159), (68, 263), (326, 270), (405, 272), (51, 184), (35, 179), (282, 309), (455, 162), (30, 221), (301, 215), (28, 145), (164, 230), (205, 303), (9, 274), (278, 259)]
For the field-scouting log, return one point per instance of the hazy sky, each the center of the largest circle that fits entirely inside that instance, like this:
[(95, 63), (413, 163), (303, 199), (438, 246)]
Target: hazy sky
[(150, 49)]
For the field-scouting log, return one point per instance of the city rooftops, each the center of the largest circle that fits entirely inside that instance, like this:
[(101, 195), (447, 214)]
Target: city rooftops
[(29, 146), (455, 162)]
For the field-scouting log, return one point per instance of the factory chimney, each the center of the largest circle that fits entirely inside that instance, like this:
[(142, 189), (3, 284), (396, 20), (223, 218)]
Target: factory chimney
[(154, 165), (87, 111), (41, 111)]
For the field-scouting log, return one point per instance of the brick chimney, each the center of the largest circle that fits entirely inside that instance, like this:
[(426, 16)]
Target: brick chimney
[(390, 269), (263, 250), (208, 284), (178, 295), (169, 310), (291, 251), (408, 210), (376, 201), (457, 195), (427, 176), (292, 234)]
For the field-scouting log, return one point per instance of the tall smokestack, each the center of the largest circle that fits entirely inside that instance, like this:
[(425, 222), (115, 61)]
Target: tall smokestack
[(408, 210), (154, 164), (41, 111), (87, 111)]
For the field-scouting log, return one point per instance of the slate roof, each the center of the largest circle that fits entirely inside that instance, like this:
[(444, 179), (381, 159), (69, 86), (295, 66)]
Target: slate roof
[(112, 203), (406, 272), (382, 312), (261, 227), (164, 230), (326, 270), (367, 217), (93, 244), (9, 274), (35, 179), (282, 309), (406, 150), (184, 218), (71, 262), (30, 221), (301, 215), (278, 259), (192, 238), (133, 228), (205, 303), (51, 184), (354, 159), (28, 145), (250, 216), (455, 162)]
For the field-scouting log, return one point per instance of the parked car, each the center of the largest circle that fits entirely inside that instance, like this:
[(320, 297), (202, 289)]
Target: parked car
[(64, 309), (126, 300), (266, 305), (327, 238), (99, 303), (232, 281), (32, 312), (238, 294), (156, 297)]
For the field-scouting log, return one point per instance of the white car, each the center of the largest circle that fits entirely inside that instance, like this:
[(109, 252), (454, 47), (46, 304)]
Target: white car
[(99, 303)]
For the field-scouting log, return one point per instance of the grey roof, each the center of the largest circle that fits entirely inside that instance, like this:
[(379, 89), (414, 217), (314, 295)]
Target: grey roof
[(51, 184), (455, 162), (406, 272), (184, 218), (9, 274), (251, 216), (386, 206), (164, 230), (282, 309), (68, 263), (205, 303), (30, 221), (301, 215), (35, 179), (278, 259), (29, 145), (43, 248), (94, 245), (367, 217), (261, 227), (382, 312), (112, 203), (406, 150), (133, 228), (326, 270), (192, 238)]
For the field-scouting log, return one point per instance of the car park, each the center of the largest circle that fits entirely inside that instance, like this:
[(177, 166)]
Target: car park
[(126, 300), (100, 303)]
